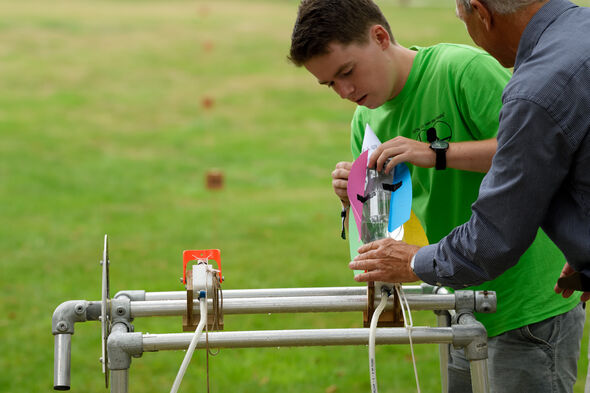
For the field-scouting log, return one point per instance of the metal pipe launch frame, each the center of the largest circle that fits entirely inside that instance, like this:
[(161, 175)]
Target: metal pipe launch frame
[(456, 325)]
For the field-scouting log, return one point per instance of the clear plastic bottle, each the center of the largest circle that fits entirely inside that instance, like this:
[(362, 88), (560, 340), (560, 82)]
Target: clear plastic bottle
[(376, 206)]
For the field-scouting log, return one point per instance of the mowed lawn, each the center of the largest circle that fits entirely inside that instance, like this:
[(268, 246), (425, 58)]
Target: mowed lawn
[(111, 114)]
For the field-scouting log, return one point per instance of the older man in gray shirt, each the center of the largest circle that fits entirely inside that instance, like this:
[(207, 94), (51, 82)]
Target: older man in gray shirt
[(540, 175)]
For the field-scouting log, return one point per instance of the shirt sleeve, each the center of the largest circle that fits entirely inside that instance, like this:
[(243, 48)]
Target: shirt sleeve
[(531, 163), (480, 95)]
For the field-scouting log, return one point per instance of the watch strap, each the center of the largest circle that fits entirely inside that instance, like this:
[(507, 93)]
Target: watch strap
[(441, 159)]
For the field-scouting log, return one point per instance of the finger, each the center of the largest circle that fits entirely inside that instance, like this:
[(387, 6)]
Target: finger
[(393, 163), (344, 165), (375, 275), (373, 158), (557, 289), (383, 157), (340, 184), (360, 277), (368, 247), (340, 174), (567, 293), (567, 270), (365, 264), (585, 297)]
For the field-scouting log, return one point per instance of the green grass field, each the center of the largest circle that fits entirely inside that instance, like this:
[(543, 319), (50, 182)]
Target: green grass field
[(111, 113)]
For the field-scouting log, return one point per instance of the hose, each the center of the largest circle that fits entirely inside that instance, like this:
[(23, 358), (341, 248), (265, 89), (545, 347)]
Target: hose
[(402, 298), (372, 333), (193, 344)]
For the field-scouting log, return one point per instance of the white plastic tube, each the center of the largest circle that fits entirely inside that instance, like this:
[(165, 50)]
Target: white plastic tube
[(192, 346), (372, 333), (402, 298)]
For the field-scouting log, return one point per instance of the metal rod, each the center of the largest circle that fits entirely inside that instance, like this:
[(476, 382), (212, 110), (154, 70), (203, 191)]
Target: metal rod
[(297, 338), (119, 381), (301, 304), (443, 320), (479, 376), (279, 292), (61, 361)]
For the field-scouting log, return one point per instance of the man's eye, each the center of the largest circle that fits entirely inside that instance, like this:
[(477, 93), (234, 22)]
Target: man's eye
[(347, 73)]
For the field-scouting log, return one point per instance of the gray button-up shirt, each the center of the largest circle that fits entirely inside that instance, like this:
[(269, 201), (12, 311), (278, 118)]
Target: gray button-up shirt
[(540, 175)]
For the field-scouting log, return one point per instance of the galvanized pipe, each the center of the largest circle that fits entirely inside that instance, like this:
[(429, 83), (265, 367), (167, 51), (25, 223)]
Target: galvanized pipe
[(443, 320), (280, 292), (62, 361), (119, 381), (301, 304), (296, 338), (479, 376)]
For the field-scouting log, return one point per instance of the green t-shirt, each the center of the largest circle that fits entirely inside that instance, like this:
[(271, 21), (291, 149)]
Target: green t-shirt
[(457, 90)]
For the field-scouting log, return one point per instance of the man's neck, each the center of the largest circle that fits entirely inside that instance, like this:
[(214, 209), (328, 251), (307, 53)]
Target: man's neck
[(514, 25)]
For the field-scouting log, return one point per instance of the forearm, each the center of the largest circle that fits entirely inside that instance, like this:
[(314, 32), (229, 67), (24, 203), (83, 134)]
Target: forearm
[(474, 156), (460, 260), (531, 163)]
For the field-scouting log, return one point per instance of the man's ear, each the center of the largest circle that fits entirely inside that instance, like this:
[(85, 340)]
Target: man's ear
[(483, 13), (381, 36)]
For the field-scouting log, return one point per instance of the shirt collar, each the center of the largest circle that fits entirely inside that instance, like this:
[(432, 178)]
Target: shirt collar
[(537, 25)]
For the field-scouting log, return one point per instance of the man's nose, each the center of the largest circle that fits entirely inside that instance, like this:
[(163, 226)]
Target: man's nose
[(344, 90)]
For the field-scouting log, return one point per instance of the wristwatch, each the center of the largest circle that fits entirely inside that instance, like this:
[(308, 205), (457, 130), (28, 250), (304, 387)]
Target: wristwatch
[(440, 147)]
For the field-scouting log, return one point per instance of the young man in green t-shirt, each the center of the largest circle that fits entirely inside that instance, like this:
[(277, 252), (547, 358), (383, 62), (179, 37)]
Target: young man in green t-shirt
[(449, 93)]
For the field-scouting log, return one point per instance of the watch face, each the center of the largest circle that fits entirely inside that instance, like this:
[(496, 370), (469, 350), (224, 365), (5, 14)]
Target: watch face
[(439, 145)]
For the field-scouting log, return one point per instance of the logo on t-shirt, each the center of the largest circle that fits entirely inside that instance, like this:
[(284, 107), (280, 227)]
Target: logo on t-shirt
[(443, 129)]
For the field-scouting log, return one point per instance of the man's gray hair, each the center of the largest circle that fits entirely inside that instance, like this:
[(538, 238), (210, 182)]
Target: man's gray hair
[(501, 6)]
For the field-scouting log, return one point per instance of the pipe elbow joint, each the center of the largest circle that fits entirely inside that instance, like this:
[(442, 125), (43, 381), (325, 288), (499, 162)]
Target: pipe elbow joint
[(66, 314)]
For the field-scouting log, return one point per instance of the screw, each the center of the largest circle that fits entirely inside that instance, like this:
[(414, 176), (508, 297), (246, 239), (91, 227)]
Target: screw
[(120, 310), (79, 309), (62, 326)]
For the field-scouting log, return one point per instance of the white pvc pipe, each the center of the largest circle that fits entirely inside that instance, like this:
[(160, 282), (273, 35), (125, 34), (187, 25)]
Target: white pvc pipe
[(189, 354), (372, 331)]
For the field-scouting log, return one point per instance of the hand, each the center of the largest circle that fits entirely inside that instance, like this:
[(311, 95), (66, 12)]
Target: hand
[(401, 149), (566, 271), (385, 260), (340, 181)]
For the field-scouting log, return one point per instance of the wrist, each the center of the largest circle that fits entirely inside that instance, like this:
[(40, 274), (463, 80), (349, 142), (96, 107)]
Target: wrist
[(440, 147)]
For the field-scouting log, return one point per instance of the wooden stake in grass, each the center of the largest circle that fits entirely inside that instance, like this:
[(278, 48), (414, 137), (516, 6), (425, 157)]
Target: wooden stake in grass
[(214, 179)]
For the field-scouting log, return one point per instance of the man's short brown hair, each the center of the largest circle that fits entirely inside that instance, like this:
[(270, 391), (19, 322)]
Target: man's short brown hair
[(322, 22)]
